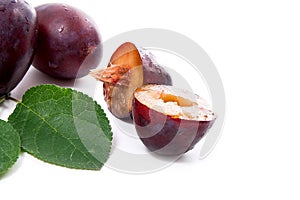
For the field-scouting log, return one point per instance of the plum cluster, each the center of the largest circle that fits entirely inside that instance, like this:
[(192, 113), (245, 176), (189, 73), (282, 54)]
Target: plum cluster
[(57, 39), (64, 43)]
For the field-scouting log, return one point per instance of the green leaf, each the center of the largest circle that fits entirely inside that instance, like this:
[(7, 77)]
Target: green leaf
[(9, 146), (63, 127)]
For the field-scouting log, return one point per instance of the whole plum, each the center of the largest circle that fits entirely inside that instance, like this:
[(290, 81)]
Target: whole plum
[(69, 44), (18, 35)]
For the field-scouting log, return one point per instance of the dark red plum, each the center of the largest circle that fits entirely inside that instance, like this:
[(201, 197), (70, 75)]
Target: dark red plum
[(69, 44), (168, 120), (128, 69), (18, 35)]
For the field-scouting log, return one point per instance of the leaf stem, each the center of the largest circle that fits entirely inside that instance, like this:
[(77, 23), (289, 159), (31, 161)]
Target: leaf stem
[(13, 99), (4, 98)]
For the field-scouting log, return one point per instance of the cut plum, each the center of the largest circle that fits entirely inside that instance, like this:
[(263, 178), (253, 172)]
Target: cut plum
[(128, 69), (168, 120)]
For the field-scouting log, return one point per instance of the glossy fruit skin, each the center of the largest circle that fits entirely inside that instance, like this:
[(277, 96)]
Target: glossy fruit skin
[(69, 44), (153, 72), (166, 135), (18, 36)]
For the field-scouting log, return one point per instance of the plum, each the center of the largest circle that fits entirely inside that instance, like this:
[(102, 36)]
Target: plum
[(128, 69), (69, 43), (168, 120), (18, 36)]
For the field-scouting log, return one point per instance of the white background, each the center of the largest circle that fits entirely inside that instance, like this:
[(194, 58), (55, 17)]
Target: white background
[(255, 46)]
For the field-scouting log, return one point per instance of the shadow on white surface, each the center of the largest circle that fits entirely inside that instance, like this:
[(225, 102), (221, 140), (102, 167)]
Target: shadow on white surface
[(34, 78)]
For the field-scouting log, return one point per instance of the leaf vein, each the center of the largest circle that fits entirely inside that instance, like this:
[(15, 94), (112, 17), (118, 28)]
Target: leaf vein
[(56, 131)]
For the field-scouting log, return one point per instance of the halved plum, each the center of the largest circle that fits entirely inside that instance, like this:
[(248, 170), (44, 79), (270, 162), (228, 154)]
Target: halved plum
[(168, 120), (128, 69)]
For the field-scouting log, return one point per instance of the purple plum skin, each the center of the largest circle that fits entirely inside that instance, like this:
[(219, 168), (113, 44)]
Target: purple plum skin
[(164, 134), (69, 44), (153, 72), (18, 36)]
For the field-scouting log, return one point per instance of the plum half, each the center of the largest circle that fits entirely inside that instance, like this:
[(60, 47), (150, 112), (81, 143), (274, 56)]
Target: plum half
[(168, 120), (128, 69), (69, 44), (18, 36)]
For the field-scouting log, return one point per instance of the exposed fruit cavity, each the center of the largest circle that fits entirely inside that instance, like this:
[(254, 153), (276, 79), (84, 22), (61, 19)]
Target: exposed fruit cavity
[(168, 120), (128, 69), (174, 102), (122, 76)]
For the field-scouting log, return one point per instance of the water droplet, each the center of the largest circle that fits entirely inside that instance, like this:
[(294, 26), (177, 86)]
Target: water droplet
[(14, 1), (61, 29), (159, 70), (65, 8), (52, 64)]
